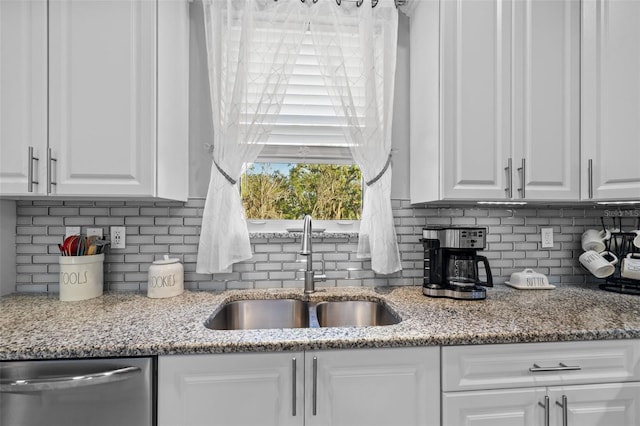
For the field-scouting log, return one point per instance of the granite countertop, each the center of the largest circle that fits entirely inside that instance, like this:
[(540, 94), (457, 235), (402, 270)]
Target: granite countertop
[(126, 324)]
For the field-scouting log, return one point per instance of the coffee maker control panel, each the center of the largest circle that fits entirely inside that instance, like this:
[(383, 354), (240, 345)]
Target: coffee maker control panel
[(463, 238)]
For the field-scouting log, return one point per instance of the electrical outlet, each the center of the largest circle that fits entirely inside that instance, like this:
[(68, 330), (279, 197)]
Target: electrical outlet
[(71, 230), (118, 236), (547, 237), (94, 231)]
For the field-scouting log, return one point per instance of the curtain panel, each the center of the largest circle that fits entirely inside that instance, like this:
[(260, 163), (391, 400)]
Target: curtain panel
[(252, 46), (249, 65), (364, 38)]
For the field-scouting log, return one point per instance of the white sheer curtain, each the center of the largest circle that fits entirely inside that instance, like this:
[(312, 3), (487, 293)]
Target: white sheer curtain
[(356, 49), (249, 65)]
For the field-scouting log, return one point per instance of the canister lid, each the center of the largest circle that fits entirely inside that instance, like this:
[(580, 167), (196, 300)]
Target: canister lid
[(166, 260)]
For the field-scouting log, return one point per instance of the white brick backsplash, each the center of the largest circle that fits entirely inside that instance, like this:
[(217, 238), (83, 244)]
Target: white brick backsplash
[(463, 221), (154, 249), (163, 227), (324, 248), (168, 239), (270, 266), (154, 211), (124, 211), (139, 220), (280, 257), (267, 248), (175, 221)]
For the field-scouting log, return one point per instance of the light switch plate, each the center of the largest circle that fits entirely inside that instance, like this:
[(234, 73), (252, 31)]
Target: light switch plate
[(71, 230), (94, 231), (547, 237)]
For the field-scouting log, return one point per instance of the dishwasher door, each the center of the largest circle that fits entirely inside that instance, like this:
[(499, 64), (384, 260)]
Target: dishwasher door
[(97, 392)]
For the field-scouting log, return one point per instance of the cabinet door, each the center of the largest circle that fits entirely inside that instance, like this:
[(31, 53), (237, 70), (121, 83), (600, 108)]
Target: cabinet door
[(102, 100), (231, 389), (511, 407), (475, 62), (546, 99), (597, 405), (476, 367), (23, 103), (398, 386), (611, 99)]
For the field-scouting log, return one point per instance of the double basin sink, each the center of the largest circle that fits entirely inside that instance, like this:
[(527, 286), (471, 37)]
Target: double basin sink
[(292, 313)]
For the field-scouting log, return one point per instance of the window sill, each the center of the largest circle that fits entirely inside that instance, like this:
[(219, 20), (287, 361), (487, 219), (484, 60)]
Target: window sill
[(293, 228), (286, 235)]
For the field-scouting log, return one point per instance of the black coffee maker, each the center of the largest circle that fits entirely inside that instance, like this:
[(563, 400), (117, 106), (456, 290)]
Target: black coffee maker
[(451, 263)]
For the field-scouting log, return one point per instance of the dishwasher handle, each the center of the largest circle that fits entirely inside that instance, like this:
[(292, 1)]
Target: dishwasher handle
[(67, 382)]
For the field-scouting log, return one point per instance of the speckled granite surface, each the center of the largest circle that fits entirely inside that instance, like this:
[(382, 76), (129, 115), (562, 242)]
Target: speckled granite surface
[(296, 234), (121, 324)]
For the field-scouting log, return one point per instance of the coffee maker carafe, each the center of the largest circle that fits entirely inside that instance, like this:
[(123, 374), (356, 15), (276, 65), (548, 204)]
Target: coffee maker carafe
[(451, 263)]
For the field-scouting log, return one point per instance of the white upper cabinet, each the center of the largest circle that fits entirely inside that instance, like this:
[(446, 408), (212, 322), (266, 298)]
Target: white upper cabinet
[(545, 106), (117, 100), (475, 98), (611, 100), (23, 99), (102, 98), (495, 100)]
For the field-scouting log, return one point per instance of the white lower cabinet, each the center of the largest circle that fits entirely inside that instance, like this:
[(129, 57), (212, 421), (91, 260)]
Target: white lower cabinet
[(606, 404), (372, 387), (511, 407), (558, 384), (591, 405), (231, 389), (398, 386)]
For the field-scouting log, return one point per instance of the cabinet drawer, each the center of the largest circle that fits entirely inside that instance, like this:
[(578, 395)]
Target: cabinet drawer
[(511, 365)]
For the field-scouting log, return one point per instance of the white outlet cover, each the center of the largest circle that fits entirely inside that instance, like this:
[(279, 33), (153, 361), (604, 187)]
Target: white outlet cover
[(118, 236)]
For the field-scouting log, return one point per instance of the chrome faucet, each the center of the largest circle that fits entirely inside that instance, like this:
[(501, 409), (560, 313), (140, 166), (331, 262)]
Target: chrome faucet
[(310, 276)]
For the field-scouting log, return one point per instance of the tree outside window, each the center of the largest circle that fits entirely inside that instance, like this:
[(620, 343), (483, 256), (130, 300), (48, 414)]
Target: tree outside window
[(289, 191)]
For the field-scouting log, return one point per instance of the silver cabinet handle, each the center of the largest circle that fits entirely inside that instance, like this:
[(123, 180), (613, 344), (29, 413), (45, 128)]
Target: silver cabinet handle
[(546, 410), (565, 420), (50, 181), (31, 159), (590, 177), (294, 401), (67, 382), (315, 385), (560, 367), (522, 171), (509, 188)]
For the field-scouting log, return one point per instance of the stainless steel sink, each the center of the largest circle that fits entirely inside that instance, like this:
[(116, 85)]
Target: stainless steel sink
[(354, 313), (259, 314), (256, 314)]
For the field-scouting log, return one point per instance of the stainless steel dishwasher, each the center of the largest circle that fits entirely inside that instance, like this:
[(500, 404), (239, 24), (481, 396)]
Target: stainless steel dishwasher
[(97, 392)]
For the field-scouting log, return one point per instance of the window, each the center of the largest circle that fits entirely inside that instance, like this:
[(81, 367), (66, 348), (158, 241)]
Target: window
[(288, 191), (305, 166)]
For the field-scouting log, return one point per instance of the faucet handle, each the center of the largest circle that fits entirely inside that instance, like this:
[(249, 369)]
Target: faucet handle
[(322, 276)]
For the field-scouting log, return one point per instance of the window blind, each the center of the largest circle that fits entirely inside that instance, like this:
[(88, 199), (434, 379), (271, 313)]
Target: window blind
[(307, 129)]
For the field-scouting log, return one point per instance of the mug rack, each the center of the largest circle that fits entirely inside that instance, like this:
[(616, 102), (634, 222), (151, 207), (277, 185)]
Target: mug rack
[(621, 244)]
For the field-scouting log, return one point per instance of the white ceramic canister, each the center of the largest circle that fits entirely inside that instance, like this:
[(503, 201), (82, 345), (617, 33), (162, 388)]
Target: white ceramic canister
[(81, 277), (166, 278)]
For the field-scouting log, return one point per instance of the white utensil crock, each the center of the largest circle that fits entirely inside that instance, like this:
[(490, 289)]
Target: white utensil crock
[(81, 277)]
